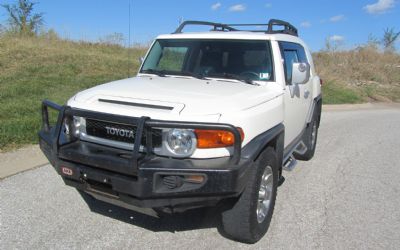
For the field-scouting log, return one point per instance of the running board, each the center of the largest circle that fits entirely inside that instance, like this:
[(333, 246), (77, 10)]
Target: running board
[(301, 148), (290, 163)]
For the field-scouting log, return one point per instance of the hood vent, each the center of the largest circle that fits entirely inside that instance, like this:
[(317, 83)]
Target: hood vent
[(135, 104)]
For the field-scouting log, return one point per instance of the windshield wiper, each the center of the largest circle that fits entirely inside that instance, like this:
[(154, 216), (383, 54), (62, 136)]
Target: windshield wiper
[(192, 74), (234, 77), (160, 73)]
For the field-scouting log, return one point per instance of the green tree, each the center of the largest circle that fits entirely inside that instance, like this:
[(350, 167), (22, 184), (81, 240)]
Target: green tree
[(22, 19), (389, 38)]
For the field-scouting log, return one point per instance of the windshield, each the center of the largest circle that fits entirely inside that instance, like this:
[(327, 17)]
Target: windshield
[(232, 59)]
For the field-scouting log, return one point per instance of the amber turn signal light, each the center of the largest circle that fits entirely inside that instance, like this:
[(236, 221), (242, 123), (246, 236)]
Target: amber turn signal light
[(197, 179), (216, 138)]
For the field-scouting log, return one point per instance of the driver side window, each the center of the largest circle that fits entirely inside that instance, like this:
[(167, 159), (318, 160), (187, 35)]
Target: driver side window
[(289, 57), (291, 53)]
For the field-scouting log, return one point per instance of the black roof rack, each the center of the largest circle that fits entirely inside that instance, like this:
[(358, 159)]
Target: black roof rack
[(287, 28), (216, 26)]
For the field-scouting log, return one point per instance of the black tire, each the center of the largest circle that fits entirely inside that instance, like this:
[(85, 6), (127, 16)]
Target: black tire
[(310, 140), (241, 221)]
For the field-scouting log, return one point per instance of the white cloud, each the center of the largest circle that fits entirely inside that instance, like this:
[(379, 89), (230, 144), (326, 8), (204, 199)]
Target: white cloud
[(216, 6), (268, 5), (336, 38), (379, 7), (337, 18), (237, 8), (305, 24)]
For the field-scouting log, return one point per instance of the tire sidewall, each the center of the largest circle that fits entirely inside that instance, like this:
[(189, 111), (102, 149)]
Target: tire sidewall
[(312, 124), (310, 144), (268, 158)]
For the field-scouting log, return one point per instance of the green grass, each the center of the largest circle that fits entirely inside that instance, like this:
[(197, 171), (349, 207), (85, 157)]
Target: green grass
[(333, 93), (33, 69), (37, 68)]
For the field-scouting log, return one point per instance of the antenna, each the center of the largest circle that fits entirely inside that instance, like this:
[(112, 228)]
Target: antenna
[(129, 39)]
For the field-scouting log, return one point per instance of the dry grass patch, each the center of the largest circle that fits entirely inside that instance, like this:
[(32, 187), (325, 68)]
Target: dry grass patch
[(367, 72)]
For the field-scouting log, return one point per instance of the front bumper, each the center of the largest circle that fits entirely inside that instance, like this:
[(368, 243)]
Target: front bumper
[(143, 179)]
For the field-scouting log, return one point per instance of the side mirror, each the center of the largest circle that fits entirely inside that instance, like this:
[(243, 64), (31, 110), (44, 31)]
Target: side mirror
[(300, 73)]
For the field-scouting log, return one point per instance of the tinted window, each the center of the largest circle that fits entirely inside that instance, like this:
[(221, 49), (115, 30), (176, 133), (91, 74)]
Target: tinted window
[(172, 58), (291, 53), (212, 58), (290, 57)]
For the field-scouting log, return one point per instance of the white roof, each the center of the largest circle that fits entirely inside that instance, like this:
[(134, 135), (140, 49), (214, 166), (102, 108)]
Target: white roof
[(240, 35)]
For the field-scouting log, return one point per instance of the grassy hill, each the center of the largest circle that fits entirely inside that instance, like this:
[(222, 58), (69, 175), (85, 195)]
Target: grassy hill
[(32, 69), (360, 75)]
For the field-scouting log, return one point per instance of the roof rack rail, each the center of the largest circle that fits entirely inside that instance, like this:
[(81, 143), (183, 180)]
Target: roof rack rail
[(288, 28), (216, 26)]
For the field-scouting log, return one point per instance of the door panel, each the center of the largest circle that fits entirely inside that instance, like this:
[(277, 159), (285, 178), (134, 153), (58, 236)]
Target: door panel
[(297, 96)]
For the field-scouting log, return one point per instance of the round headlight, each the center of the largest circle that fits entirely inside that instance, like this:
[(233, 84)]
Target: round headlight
[(77, 121), (181, 142), (77, 125), (72, 127)]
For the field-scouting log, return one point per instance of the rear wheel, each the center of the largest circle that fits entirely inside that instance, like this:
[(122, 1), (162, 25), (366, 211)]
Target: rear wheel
[(310, 140), (249, 218)]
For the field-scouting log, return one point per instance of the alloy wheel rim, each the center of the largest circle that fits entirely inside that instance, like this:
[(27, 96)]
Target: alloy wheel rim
[(264, 194)]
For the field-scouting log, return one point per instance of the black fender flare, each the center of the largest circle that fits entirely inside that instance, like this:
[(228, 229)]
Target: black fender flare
[(315, 109), (273, 137)]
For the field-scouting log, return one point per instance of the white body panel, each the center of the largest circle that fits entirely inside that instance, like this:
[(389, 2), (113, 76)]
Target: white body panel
[(255, 109)]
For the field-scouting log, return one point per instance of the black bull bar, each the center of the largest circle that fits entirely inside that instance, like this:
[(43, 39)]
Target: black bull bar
[(51, 135)]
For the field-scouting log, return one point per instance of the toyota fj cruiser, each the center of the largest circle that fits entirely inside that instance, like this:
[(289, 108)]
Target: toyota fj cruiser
[(211, 118)]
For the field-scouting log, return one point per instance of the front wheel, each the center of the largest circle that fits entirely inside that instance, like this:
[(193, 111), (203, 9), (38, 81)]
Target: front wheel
[(249, 218)]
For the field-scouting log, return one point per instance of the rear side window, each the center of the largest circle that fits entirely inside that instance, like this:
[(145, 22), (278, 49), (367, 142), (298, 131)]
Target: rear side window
[(291, 53)]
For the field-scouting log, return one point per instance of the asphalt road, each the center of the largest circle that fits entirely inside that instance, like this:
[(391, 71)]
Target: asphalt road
[(347, 197)]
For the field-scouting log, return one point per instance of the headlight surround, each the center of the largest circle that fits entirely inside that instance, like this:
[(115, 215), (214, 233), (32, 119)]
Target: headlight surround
[(181, 142)]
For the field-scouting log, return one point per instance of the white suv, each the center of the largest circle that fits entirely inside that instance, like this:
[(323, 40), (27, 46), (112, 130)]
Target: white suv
[(212, 117)]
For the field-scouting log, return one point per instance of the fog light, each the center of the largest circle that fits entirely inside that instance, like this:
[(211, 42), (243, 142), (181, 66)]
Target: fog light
[(172, 181)]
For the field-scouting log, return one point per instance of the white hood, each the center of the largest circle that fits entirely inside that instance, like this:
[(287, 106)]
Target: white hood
[(167, 97)]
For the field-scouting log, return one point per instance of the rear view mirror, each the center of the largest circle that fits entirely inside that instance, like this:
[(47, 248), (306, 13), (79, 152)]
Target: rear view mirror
[(300, 73)]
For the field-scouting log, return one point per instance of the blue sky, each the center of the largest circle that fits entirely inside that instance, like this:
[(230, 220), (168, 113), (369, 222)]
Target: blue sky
[(349, 21)]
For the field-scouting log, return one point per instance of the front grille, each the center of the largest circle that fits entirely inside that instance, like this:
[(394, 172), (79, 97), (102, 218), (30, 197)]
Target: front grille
[(119, 132)]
